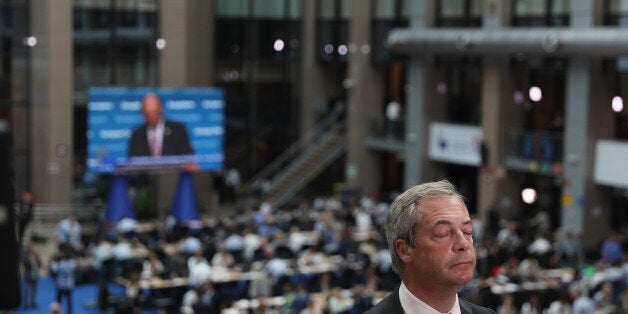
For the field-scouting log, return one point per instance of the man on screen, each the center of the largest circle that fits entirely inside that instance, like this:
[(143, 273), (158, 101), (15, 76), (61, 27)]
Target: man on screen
[(158, 136)]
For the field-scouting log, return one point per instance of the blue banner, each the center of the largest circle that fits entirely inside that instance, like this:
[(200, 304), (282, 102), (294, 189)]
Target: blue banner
[(115, 113)]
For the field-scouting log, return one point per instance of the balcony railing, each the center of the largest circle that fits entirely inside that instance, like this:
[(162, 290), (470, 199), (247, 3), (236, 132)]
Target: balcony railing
[(534, 151)]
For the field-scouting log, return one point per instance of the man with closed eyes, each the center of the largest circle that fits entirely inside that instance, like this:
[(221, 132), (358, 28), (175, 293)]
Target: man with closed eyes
[(429, 235)]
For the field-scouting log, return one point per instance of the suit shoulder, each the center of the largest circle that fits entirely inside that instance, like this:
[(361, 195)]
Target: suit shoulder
[(175, 124), (475, 308), (389, 305)]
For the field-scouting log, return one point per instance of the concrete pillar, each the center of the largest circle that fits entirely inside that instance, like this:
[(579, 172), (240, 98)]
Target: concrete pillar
[(497, 115), (576, 157), (320, 83), (187, 26), (365, 99), (186, 61), (416, 127), (601, 125), (415, 123), (575, 148), (51, 101)]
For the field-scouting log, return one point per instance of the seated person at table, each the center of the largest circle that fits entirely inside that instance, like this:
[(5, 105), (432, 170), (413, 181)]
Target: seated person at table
[(201, 299), (223, 259), (311, 257), (197, 258), (191, 245), (152, 266)]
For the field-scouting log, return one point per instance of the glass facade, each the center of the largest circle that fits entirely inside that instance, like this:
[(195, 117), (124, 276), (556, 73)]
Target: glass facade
[(13, 55), (540, 13), (387, 16), (114, 45), (333, 30), (457, 13), (258, 48)]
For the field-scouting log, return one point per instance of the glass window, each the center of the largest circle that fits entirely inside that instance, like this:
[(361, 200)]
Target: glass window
[(327, 9), (530, 7), (616, 13), (617, 6), (406, 9), (13, 27), (456, 13), (333, 29), (388, 15), (345, 9), (560, 6), (232, 8), (129, 57), (452, 8), (273, 9), (230, 38), (462, 82), (294, 9), (384, 9), (541, 13)]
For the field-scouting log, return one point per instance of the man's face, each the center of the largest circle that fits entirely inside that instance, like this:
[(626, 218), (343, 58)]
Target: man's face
[(444, 253), (151, 109)]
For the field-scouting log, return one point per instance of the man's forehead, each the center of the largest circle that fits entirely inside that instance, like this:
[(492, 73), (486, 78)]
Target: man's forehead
[(439, 209)]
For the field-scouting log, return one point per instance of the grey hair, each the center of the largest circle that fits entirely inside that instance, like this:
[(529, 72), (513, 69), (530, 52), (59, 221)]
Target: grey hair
[(404, 215)]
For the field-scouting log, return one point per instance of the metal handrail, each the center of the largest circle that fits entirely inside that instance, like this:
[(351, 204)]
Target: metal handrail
[(329, 121)]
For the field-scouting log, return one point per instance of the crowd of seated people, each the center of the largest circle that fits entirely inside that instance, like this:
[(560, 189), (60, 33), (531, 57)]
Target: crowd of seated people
[(328, 256)]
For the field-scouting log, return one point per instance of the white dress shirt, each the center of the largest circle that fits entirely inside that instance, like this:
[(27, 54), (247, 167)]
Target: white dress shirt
[(412, 304), (156, 137)]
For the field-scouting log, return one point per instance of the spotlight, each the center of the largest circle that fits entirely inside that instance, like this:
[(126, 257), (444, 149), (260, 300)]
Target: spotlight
[(528, 195), (535, 94), (617, 104)]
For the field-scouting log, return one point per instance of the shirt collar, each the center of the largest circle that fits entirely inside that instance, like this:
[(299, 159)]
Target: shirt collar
[(411, 304), (159, 127)]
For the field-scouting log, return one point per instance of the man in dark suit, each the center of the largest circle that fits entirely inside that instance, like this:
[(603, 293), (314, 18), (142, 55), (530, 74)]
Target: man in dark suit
[(429, 234), (158, 136)]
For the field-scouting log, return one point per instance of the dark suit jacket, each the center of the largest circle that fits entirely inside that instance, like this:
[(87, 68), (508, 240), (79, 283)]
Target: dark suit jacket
[(175, 141), (392, 305)]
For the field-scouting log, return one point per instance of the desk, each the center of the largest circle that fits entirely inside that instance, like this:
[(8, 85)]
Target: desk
[(216, 277)]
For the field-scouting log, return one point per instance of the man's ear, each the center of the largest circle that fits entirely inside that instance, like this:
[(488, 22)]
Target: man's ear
[(404, 250)]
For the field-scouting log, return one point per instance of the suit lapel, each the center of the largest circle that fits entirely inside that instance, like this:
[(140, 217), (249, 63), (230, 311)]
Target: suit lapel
[(465, 307)]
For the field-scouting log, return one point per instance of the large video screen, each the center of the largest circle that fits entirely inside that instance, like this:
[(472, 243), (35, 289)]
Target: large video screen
[(122, 138)]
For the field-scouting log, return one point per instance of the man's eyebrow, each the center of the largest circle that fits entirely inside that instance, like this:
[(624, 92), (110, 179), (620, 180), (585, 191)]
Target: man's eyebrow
[(442, 222), (448, 222)]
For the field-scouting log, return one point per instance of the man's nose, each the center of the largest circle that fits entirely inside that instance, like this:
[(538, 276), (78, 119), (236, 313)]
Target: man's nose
[(462, 242)]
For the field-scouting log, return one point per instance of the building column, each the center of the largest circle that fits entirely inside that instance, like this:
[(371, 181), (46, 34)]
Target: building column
[(601, 125), (575, 147), (51, 101), (579, 192), (365, 98), (186, 61), (416, 129), (188, 58), (318, 83), (497, 114)]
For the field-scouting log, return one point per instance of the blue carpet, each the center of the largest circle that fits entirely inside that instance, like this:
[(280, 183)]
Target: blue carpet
[(82, 297)]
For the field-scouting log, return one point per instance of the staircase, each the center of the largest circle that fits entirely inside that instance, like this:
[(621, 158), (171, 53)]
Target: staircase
[(303, 161)]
